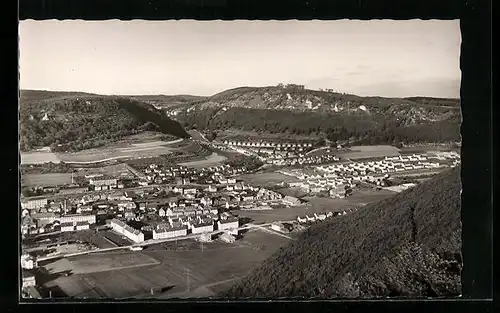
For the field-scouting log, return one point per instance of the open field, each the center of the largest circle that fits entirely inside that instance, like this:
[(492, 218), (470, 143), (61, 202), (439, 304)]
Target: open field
[(49, 179), (39, 157), (266, 178), (213, 160), (362, 152), (206, 271), (116, 170), (135, 150), (128, 148)]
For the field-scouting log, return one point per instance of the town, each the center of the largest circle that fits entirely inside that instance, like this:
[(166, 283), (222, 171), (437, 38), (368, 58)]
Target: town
[(152, 203)]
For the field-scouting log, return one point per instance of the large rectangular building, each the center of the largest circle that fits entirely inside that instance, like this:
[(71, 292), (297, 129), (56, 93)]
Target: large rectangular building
[(103, 181), (34, 204), (170, 232), (129, 232), (204, 226), (76, 218), (229, 223)]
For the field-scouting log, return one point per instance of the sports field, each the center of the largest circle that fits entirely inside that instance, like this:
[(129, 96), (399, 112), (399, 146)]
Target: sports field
[(362, 152), (266, 178), (49, 179), (213, 160), (195, 272)]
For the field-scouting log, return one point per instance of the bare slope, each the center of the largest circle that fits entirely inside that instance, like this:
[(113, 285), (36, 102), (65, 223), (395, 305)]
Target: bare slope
[(407, 245)]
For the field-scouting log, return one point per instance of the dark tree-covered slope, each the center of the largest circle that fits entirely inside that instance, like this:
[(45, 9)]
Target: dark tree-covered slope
[(75, 121), (405, 246)]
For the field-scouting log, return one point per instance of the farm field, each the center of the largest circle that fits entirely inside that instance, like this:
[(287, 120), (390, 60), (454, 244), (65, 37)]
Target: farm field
[(212, 160), (218, 264), (48, 179), (362, 152)]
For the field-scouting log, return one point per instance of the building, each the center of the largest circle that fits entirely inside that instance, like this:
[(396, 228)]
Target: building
[(170, 231), (75, 218), (291, 200), (226, 237), (103, 181), (82, 225), (28, 262), (229, 223), (201, 226), (67, 226), (28, 279), (34, 204), (43, 219), (161, 212)]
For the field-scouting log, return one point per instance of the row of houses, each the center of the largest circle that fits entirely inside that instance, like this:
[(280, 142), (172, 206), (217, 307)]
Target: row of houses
[(267, 144), (322, 216)]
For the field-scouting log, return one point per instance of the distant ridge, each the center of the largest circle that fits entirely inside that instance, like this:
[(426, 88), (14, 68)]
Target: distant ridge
[(405, 246)]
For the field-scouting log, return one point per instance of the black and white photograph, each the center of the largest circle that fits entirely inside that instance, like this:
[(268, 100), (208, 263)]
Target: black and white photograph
[(188, 159)]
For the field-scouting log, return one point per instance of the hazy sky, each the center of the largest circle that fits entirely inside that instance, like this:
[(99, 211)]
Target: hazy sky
[(386, 58)]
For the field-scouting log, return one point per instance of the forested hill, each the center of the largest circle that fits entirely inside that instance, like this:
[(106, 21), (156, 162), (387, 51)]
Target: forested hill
[(295, 110), (76, 121), (407, 246)]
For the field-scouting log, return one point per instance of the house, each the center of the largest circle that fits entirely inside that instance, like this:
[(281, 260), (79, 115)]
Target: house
[(212, 188), (191, 191), (82, 225), (129, 214), (67, 226), (320, 216), (279, 227), (161, 212), (28, 279), (226, 237), (291, 200), (27, 262)]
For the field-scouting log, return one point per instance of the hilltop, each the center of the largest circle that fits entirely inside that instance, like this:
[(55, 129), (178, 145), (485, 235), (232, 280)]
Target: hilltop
[(75, 121), (408, 245), (295, 110)]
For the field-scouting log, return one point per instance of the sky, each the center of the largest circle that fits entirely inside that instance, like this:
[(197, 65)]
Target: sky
[(368, 58)]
